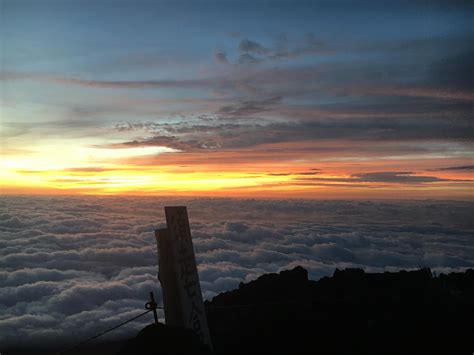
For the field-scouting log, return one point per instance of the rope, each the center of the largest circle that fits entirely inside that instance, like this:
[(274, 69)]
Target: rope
[(153, 308), (105, 332)]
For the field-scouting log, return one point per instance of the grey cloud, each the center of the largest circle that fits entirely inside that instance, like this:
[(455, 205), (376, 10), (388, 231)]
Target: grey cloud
[(456, 168), (247, 58), (283, 48), (332, 251), (31, 275), (296, 174), (234, 34), (250, 107), (369, 83), (27, 320), (189, 137), (71, 267), (309, 172), (249, 46), (421, 45), (89, 296), (396, 177), (455, 71), (308, 46), (134, 84), (118, 84), (221, 57), (161, 141), (10, 296), (236, 227)]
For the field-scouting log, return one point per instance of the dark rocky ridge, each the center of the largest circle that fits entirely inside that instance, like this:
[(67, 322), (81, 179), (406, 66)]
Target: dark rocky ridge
[(352, 312)]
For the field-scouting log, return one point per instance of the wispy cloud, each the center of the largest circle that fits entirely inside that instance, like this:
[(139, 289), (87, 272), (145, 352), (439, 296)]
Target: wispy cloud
[(302, 173), (221, 57), (248, 46), (253, 52), (249, 107), (396, 177), (455, 168), (245, 135)]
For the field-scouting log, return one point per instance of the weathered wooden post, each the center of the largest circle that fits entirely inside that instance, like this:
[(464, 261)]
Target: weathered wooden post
[(182, 297)]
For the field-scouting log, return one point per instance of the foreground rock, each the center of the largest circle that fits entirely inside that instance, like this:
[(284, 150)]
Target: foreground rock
[(162, 339), (353, 312)]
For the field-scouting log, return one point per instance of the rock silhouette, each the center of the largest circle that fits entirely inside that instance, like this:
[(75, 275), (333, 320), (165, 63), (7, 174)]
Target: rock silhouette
[(162, 339), (352, 312)]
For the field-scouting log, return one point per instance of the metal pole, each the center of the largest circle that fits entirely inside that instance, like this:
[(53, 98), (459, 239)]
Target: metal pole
[(152, 306)]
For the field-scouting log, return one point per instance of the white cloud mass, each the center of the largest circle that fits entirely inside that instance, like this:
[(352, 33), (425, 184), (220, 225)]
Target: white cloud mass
[(71, 267)]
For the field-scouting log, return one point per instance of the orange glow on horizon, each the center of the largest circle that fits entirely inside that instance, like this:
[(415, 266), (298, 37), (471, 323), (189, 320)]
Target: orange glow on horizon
[(275, 171), (269, 184)]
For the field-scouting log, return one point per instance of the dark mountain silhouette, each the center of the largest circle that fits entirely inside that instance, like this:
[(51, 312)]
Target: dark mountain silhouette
[(352, 312)]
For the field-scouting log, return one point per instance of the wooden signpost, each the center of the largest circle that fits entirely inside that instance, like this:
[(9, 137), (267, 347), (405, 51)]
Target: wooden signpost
[(178, 275)]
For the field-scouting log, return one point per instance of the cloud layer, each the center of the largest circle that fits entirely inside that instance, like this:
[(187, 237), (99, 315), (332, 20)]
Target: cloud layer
[(71, 267)]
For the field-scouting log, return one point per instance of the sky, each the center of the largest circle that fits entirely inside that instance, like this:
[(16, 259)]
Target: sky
[(278, 99)]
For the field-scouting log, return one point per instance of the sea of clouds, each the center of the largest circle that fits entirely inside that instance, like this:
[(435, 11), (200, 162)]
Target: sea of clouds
[(71, 267)]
